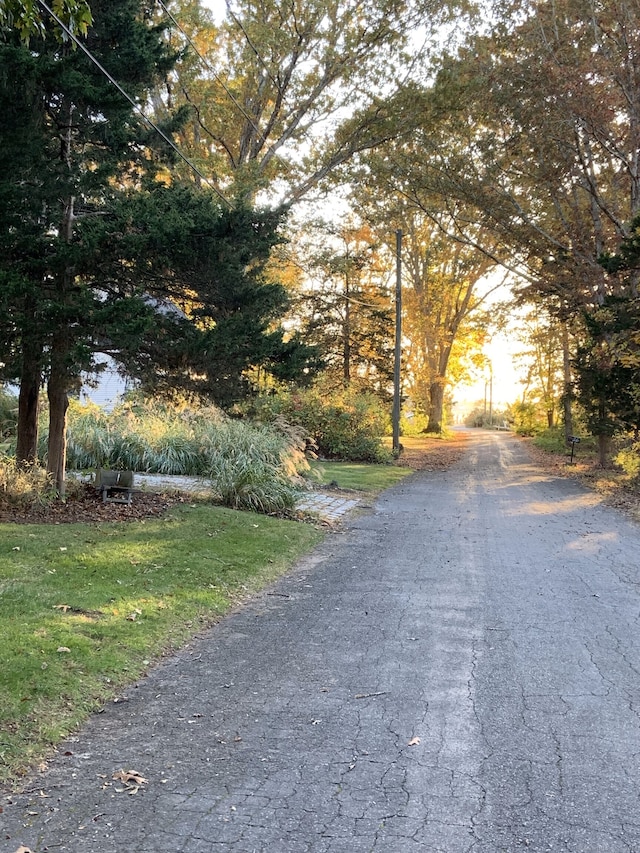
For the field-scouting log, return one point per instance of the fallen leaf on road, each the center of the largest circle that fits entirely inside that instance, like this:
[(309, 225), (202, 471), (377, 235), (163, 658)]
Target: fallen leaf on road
[(129, 777), (414, 741)]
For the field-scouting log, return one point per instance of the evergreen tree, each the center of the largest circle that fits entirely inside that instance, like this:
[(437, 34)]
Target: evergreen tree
[(218, 310), (69, 138)]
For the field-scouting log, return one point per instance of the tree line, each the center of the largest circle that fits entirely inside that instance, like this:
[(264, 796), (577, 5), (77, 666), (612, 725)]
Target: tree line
[(162, 220)]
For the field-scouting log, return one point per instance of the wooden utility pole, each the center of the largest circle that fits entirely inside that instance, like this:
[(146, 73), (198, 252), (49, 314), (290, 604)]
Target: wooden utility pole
[(398, 346)]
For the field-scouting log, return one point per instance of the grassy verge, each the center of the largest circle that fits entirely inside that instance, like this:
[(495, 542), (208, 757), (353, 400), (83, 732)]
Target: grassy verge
[(86, 608), (359, 476)]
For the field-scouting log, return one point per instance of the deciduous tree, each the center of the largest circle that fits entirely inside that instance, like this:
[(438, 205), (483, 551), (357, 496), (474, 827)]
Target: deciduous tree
[(282, 93), (30, 18)]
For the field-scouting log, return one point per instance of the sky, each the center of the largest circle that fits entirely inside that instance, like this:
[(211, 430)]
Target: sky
[(507, 387), (216, 6)]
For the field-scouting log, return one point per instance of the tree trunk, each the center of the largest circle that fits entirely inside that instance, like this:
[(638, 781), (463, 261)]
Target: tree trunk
[(60, 345), (28, 405), (604, 447), (58, 405), (58, 376), (568, 383), (436, 406)]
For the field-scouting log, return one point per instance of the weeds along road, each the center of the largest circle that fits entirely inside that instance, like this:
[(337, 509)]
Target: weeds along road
[(458, 670)]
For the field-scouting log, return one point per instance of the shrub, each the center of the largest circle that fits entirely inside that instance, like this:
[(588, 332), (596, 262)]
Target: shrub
[(344, 426), (8, 414), (528, 419), (629, 460), (480, 418)]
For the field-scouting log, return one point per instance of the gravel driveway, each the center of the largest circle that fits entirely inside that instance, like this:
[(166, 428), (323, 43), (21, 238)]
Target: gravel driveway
[(457, 670)]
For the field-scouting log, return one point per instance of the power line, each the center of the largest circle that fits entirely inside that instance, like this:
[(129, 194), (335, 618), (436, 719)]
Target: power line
[(135, 106)]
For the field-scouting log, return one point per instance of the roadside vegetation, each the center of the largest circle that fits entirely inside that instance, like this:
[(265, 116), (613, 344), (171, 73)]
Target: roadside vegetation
[(618, 481), (257, 460)]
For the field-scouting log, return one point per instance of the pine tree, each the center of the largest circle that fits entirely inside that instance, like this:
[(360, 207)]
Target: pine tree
[(70, 138)]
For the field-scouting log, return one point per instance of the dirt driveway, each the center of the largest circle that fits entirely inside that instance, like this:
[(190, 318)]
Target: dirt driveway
[(458, 670)]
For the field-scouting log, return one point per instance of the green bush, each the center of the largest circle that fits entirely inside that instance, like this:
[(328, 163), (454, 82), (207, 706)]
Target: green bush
[(414, 425), (342, 426), (528, 419), (552, 440), (629, 460), (8, 414), (480, 418)]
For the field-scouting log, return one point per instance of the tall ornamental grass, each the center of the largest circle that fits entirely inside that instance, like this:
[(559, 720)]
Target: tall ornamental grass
[(23, 486), (249, 466)]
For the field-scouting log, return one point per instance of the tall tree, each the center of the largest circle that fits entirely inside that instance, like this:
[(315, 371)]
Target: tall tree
[(218, 305), (443, 321), (282, 93), (533, 132), (445, 284), (542, 359), (79, 136)]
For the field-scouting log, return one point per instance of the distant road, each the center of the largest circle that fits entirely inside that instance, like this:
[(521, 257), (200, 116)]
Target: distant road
[(458, 671)]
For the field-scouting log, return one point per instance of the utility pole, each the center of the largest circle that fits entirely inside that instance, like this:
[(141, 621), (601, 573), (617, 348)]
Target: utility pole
[(398, 346), (490, 394)]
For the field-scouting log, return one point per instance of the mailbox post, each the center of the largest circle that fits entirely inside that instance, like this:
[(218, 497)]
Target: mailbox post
[(573, 440)]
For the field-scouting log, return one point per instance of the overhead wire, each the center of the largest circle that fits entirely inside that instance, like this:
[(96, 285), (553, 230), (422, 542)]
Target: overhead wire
[(132, 101)]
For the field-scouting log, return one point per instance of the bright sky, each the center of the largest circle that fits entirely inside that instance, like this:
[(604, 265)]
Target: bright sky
[(506, 378), (216, 6)]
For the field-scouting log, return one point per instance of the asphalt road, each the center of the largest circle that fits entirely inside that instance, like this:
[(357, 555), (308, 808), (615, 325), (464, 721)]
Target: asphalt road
[(458, 670)]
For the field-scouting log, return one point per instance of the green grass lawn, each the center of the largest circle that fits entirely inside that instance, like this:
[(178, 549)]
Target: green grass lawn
[(360, 476), (86, 608)]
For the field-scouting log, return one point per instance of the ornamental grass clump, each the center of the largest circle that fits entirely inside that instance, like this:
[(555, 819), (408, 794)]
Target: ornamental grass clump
[(256, 467), (23, 486), (89, 437), (249, 467)]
